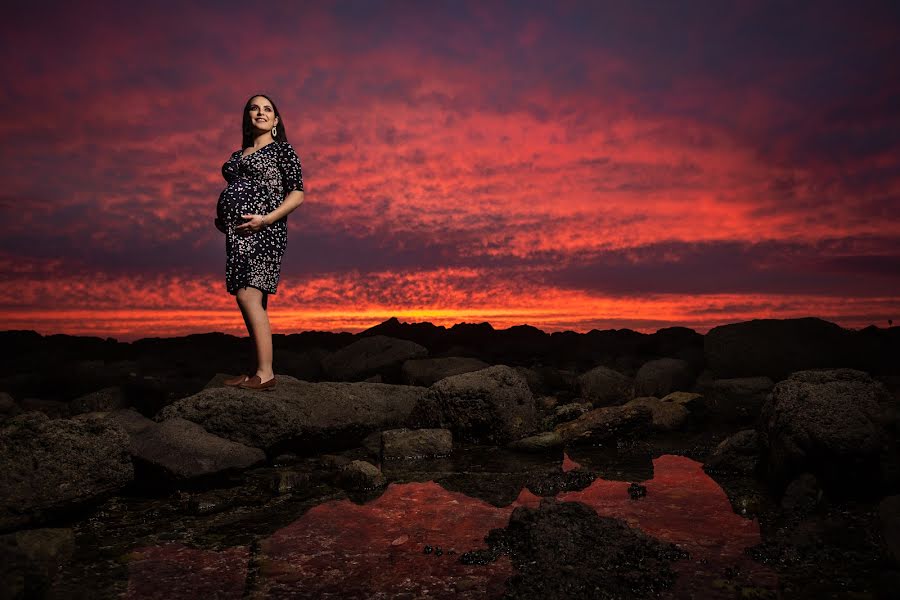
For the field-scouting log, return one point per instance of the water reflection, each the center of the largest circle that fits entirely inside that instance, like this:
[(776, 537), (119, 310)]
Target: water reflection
[(342, 549)]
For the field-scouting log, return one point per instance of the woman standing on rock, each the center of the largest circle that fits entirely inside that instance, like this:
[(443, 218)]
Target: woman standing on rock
[(265, 184)]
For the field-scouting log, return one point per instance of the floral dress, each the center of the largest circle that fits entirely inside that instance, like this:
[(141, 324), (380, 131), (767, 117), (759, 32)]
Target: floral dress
[(257, 184)]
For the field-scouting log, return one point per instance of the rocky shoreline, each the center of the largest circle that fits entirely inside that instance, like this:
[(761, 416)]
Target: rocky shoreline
[(797, 420)]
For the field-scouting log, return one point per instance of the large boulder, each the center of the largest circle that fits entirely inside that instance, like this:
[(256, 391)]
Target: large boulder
[(51, 465), (184, 450), (493, 405), (829, 423), (604, 386), (775, 347), (300, 414), (662, 376), (426, 371), (372, 355)]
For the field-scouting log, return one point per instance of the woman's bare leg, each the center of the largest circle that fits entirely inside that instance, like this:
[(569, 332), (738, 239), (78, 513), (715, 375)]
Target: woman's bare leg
[(251, 301)]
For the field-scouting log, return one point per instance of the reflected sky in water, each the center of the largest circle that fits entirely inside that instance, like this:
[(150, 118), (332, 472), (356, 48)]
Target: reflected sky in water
[(348, 550)]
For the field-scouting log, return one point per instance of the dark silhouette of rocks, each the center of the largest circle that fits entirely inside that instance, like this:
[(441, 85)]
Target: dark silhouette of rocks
[(50, 465)]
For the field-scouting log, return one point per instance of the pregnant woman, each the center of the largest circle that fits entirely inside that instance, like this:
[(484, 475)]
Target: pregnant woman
[(265, 185)]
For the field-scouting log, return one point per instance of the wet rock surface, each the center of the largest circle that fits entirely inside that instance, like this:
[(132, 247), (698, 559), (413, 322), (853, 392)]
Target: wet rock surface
[(566, 550)]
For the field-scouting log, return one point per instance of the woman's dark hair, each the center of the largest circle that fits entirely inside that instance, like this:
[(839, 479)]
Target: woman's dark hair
[(247, 124)]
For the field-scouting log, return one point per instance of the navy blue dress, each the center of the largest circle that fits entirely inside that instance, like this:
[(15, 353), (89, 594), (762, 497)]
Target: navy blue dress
[(257, 184)]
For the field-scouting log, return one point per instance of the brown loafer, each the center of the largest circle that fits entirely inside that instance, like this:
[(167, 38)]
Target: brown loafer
[(254, 383), (236, 381)]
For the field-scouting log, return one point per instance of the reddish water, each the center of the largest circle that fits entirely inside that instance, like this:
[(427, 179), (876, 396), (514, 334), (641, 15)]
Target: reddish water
[(341, 549)]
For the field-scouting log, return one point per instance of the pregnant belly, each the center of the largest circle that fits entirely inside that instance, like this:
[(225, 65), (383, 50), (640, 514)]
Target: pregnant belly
[(242, 196)]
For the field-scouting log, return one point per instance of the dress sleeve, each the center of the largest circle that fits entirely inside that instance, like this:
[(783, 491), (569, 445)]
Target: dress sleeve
[(292, 174)]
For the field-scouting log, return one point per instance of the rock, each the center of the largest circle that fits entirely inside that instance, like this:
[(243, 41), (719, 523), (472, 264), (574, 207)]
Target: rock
[(568, 412), (663, 376), (667, 416), (369, 356), (605, 387), (737, 454), (889, 513), (302, 415), (415, 443), (541, 442), (130, 420), (692, 401), (184, 450), (802, 495), (545, 403), (52, 465), (774, 347), (607, 424), (30, 559), (829, 424), (737, 400), (52, 408), (493, 405), (427, 371), (359, 475), (567, 550), (103, 400), (8, 406)]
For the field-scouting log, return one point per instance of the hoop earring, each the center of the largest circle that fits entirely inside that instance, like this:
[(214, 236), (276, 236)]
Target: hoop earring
[(274, 131)]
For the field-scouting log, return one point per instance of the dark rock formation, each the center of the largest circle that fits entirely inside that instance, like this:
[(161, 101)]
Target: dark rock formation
[(377, 354), (604, 386), (184, 450), (663, 376), (359, 475), (829, 423), (566, 550), (667, 416), (775, 347), (607, 425), (304, 415), (493, 405), (426, 371), (105, 399), (52, 465)]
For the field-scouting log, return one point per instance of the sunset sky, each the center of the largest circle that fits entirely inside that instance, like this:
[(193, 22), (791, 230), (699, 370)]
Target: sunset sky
[(569, 165)]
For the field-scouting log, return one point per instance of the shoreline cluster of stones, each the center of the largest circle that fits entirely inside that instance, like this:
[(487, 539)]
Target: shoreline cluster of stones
[(812, 408)]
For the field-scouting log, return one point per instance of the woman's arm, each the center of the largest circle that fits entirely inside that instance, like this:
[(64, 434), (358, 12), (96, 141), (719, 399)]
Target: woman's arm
[(291, 201)]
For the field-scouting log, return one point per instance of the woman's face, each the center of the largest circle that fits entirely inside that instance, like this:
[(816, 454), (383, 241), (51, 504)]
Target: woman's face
[(262, 115)]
